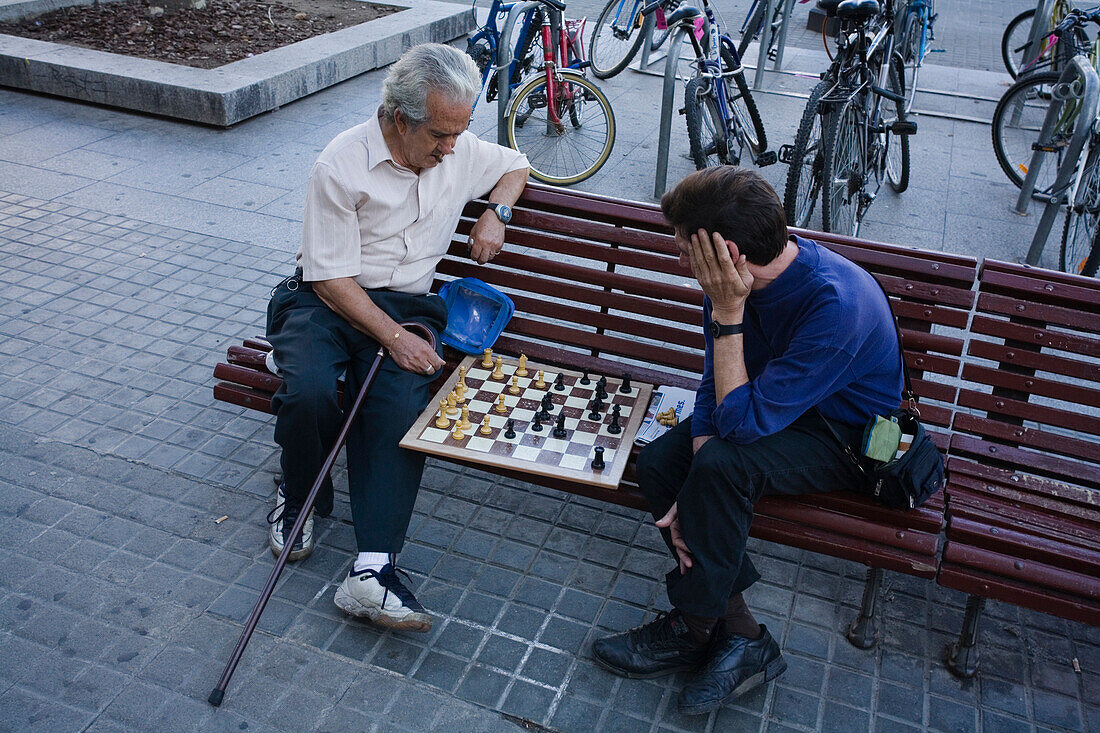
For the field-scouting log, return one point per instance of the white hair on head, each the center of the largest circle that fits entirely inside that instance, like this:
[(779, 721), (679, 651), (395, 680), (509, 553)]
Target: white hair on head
[(429, 67)]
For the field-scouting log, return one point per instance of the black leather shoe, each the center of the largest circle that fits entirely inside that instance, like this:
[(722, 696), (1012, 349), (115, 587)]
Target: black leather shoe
[(662, 646), (737, 665)]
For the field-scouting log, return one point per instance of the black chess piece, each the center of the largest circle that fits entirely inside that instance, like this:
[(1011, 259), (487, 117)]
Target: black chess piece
[(625, 387), (614, 428), (536, 426), (584, 378), (559, 431), (511, 429), (559, 382), (547, 403), (601, 388), (597, 462), (596, 405)]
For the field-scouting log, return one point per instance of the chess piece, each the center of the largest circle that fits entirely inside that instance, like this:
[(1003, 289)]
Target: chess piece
[(536, 426), (485, 429), (547, 403), (510, 429), (625, 387), (539, 383), (584, 378), (514, 389), (597, 462), (559, 382), (465, 423), (462, 376), (601, 388), (460, 393), (487, 358), (614, 428), (442, 422), (522, 371), (500, 407), (458, 434), (559, 431), (595, 405), (498, 372), (452, 404)]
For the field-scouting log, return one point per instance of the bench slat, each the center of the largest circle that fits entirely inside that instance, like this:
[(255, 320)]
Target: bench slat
[(1038, 462), (1042, 440), (1022, 358), (1039, 337), (1024, 594), (1015, 307), (1020, 569), (1022, 513), (1014, 480), (1050, 287), (1034, 385), (1025, 544)]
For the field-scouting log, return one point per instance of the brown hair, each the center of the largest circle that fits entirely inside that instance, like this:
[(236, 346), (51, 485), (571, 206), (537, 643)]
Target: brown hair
[(735, 202)]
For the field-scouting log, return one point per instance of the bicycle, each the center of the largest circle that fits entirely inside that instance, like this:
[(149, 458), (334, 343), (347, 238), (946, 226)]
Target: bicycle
[(620, 30), (558, 117), (913, 25), (722, 118), (546, 94), (848, 140), (754, 23), (1031, 29), (1070, 131)]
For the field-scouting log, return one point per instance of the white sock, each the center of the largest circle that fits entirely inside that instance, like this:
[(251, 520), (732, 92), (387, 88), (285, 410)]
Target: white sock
[(371, 561)]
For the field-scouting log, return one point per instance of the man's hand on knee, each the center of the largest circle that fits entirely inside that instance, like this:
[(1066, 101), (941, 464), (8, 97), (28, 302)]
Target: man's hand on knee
[(671, 522), (414, 354)]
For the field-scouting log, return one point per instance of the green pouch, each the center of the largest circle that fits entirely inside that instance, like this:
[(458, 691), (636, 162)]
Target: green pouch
[(881, 439)]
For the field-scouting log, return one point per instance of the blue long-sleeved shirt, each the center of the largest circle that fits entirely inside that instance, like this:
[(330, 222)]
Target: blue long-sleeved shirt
[(833, 345)]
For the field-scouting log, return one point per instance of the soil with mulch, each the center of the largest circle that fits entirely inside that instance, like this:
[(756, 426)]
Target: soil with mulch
[(222, 32)]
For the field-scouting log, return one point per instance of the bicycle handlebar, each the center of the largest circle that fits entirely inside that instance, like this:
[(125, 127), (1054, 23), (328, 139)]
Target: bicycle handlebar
[(556, 4), (1076, 17)]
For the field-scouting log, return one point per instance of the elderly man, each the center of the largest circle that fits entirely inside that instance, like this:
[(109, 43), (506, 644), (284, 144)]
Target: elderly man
[(382, 204), (795, 334)]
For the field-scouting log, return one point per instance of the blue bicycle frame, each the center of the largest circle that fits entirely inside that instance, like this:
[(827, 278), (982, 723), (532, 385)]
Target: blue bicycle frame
[(484, 45)]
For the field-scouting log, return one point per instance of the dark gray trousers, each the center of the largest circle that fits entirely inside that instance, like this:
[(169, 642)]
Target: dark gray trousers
[(313, 347), (716, 489)]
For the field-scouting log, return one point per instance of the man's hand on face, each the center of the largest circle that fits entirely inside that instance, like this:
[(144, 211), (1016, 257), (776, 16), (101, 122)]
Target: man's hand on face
[(486, 237), (722, 272), (414, 354)]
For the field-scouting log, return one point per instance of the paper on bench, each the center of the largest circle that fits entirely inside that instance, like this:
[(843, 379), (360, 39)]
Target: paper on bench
[(682, 400)]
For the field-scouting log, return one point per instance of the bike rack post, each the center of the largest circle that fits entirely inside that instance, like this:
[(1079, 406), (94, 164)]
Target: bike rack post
[(648, 27), (1079, 68), (781, 44), (667, 105), (504, 60), (1040, 27), (765, 40)]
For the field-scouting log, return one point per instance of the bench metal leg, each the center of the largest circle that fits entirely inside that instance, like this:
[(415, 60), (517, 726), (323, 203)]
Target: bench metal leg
[(863, 632), (962, 660)]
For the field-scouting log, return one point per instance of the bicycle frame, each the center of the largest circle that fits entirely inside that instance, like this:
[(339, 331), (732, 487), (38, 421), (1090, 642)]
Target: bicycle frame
[(490, 33), (557, 55), (632, 18), (709, 61)]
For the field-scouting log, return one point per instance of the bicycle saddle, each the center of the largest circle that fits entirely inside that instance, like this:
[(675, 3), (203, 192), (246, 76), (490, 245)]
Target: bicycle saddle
[(857, 10), (682, 13), (829, 6)]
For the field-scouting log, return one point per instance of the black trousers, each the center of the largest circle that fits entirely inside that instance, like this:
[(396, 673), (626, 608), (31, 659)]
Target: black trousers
[(716, 490), (313, 347)]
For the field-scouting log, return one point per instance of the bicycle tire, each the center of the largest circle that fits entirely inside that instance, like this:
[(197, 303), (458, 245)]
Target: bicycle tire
[(752, 26), (612, 54), (572, 151), (744, 109), (909, 48), (706, 131), (1017, 122), (897, 146), (807, 163), (844, 176), (1080, 250), (1015, 42)]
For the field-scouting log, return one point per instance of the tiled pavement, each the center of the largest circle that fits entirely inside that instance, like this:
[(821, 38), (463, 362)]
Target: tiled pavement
[(136, 249)]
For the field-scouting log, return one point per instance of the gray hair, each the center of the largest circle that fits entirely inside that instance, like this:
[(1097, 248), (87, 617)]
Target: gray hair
[(423, 69)]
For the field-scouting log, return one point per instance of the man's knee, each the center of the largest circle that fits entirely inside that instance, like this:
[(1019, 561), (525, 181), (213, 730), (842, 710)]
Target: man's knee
[(719, 464), (308, 399)]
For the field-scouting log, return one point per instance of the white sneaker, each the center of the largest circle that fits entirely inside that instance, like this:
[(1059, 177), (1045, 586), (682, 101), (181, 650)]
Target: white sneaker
[(381, 597), (282, 521)]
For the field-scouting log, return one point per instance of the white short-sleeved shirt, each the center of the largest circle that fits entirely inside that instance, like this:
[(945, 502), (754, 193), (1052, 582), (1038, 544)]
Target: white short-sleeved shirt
[(370, 219)]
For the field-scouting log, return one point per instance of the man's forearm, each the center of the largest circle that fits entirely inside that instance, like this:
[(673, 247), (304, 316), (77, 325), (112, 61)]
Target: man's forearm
[(351, 302), (729, 357), (509, 187)]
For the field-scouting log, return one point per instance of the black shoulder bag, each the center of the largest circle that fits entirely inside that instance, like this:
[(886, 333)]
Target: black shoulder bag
[(912, 475)]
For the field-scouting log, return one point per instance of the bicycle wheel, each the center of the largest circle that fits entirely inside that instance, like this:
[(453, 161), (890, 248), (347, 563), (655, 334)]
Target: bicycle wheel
[(752, 26), (658, 37), (749, 127), (706, 130), (1016, 44), (1080, 254), (807, 163), (572, 149), (897, 146), (909, 46), (845, 172), (616, 37), (1017, 122)]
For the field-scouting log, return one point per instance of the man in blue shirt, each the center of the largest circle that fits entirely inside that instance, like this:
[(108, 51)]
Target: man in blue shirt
[(789, 326)]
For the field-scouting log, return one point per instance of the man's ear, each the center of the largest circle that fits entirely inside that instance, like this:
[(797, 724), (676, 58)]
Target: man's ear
[(400, 121)]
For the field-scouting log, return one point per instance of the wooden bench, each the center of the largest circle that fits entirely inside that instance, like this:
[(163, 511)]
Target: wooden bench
[(1023, 495), (597, 285)]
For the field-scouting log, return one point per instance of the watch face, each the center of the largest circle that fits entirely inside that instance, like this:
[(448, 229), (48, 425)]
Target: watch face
[(504, 213), (714, 329)]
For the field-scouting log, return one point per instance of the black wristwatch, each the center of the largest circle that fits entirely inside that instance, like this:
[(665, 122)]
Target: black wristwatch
[(503, 212), (717, 329)]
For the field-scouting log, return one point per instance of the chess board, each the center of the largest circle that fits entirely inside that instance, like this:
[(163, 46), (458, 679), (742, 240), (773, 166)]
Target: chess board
[(533, 452)]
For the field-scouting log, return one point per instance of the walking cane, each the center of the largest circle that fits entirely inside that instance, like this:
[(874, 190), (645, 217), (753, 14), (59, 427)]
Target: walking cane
[(218, 692)]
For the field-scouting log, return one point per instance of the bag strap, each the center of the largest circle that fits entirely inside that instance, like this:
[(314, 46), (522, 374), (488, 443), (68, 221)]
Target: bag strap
[(908, 394)]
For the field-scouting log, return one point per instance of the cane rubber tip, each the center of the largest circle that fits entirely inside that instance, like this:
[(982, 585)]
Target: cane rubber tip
[(216, 696)]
